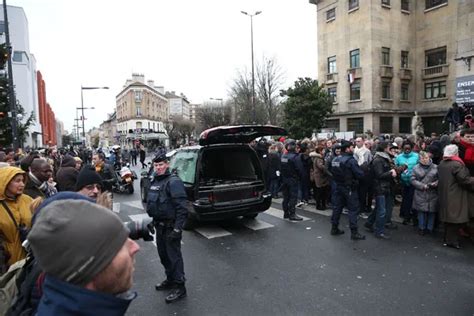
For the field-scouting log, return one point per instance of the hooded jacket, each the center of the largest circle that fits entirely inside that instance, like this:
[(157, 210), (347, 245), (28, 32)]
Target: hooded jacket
[(67, 174), (20, 208), (61, 298)]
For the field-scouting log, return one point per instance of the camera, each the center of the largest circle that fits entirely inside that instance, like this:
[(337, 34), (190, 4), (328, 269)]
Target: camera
[(140, 229)]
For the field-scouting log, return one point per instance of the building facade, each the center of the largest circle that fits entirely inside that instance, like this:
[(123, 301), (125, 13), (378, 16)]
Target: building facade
[(45, 117), (384, 60), (141, 111), (179, 106), (24, 70), (108, 132)]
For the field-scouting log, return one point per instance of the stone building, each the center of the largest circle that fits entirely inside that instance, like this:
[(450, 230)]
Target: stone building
[(382, 60), (141, 109)]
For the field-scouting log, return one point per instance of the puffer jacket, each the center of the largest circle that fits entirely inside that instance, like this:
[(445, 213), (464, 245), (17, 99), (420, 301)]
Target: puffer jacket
[(410, 160), (425, 200), (20, 208)]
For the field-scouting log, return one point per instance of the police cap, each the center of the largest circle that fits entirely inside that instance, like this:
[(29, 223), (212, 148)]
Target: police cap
[(160, 158), (345, 144)]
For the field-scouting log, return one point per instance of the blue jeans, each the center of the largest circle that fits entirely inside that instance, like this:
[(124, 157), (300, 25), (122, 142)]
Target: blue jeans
[(426, 220), (406, 211), (390, 199), (383, 203)]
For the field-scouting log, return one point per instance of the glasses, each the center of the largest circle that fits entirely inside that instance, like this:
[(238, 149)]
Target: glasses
[(91, 187)]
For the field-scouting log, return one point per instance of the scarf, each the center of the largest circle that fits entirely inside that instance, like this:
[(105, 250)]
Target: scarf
[(455, 158), (47, 189)]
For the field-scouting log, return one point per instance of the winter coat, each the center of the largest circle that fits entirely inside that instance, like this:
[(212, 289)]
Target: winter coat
[(410, 160), (380, 171), (425, 200), (453, 188), (320, 175), (20, 208), (274, 165), (61, 298), (67, 174)]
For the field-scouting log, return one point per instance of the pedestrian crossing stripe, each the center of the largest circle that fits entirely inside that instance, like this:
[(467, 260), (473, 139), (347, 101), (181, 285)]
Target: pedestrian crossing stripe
[(279, 213), (116, 207)]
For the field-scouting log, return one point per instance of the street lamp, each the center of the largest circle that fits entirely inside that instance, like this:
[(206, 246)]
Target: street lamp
[(253, 74), (82, 105)]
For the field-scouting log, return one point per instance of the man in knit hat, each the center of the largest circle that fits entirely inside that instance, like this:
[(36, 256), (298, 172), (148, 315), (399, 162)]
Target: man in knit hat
[(89, 183), (87, 257)]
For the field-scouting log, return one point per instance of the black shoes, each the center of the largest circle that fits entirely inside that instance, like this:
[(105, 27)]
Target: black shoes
[(165, 285), (294, 217), (357, 236), (368, 227), (176, 294), (336, 231), (382, 236), (452, 245), (286, 215)]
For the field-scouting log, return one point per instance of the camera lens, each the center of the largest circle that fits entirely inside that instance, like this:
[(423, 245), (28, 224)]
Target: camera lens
[(139, 230)]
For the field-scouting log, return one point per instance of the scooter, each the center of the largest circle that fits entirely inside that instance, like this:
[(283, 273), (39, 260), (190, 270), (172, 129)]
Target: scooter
[(125, 178)]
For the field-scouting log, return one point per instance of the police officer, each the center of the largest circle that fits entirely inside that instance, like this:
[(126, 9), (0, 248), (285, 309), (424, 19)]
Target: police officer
[(291, 169), (166, 204), (346, 173)]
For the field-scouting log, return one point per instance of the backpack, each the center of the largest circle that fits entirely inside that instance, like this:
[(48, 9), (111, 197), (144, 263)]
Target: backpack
[(9, 282)]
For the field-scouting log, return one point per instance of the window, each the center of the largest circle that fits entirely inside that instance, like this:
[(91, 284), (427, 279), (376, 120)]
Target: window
[(385, 56), (355, 124), (386, 124), (354, 58), (331, 14), (17, 56), (355, 90), (333, 124), (353, 4), (434, 3), (404, 92), (404, 125), (406, 5), (332, 65), (332, 92), (435, 57), (184, 163), (404, 59), (139, 112), (386, 90), (138, 96), (386, 2), (434, 90)]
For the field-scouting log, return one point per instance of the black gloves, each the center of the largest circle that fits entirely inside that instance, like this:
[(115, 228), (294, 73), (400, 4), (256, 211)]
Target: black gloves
[(175, 234)]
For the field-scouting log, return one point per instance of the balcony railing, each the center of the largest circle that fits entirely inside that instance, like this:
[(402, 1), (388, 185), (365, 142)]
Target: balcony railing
[(331, 78), (386, 71), (436, 71), (405, 74)]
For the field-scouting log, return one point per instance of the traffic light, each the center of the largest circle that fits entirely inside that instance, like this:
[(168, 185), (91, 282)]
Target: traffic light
[(3, 56)]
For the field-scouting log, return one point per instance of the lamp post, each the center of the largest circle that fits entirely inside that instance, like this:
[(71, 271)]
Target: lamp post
[(82, 105), (253, 74)]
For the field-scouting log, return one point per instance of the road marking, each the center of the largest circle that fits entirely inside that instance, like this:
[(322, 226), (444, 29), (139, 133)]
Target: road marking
[(136, 204), (116, 207), (255, 224), (279, 213), (212, 232)]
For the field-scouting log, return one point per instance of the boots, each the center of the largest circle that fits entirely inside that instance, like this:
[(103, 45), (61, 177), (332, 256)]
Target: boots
[(176, 294), (294, 217), (286, 215), (336, 231), (356, 236), (165, 285)]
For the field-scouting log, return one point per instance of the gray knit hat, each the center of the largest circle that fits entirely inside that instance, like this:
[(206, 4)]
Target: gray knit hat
[(74, 240)]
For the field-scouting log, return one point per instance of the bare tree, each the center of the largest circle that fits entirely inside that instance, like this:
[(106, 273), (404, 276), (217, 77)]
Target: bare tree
[(269, 82), (209, 116)]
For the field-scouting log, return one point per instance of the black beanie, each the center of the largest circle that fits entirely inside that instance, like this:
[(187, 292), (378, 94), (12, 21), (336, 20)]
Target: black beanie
[(74, 240), (87, 176)]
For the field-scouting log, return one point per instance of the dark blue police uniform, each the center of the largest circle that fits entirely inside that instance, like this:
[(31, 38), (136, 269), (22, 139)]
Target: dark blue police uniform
[(166, 204), (346, 173), (290, 173)]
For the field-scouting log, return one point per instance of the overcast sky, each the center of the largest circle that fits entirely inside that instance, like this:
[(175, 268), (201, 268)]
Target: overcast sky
[(188, 46)]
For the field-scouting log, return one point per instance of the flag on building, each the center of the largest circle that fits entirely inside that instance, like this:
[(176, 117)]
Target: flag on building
[(350, 77)]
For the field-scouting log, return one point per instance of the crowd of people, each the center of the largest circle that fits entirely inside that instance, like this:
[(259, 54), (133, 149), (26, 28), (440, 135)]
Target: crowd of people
[(431, 178)]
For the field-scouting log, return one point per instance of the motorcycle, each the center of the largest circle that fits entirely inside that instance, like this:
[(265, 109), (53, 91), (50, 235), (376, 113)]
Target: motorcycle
[(125, 178)]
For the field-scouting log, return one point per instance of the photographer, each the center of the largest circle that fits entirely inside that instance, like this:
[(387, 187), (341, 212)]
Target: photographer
[(166, 204), (454, 117)]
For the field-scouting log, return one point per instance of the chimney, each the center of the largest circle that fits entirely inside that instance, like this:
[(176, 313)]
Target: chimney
[(138, 78), (160, 89), (151, 83)]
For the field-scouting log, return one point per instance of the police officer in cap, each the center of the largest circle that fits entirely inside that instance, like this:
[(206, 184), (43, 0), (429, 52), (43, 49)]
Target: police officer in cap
[(346, 172), (291, 168), (166, 204)]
